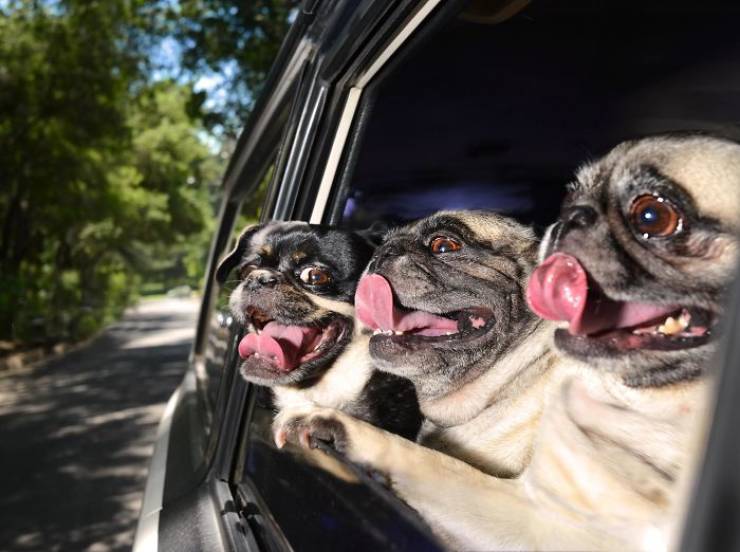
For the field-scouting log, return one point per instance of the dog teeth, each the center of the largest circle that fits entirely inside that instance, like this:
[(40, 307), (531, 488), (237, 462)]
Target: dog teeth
[(385, 332), (398, 333), (673, 326)]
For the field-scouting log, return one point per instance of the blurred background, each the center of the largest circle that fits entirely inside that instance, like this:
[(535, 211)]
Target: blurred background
[(117, 119)]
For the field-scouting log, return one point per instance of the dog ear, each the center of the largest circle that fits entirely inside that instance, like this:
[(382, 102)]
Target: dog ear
[(232, 259), (375, 233)]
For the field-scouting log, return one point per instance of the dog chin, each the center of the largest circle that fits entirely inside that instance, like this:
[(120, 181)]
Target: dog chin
[(637, 367), (410, 355)]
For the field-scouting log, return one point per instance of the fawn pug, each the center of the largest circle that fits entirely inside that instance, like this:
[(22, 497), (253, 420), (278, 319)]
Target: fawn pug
[(637, 266)]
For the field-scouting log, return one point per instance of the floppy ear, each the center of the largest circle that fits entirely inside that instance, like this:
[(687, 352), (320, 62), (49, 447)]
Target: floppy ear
[(232, 259), (375, 233)]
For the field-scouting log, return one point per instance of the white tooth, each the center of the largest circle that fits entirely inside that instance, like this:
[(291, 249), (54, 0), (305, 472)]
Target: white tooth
[(448, 333), (256, 355), (398, 333), (671, 326), (377, 332), (685, 318)]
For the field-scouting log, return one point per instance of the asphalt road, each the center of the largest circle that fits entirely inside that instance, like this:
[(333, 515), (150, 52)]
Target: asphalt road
[(76, 434)]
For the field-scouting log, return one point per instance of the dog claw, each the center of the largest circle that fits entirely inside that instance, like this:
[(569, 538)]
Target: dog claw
[(304, 437), (281, 437)]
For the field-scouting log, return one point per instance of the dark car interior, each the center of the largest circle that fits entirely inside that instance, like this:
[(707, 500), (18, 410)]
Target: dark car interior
[(499, 115)]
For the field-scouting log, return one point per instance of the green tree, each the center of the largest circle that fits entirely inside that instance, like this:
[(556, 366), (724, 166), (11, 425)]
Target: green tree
[(98, 166), (238, 40), (108, 176)]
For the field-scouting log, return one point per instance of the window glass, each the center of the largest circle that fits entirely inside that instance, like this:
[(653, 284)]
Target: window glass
[(221, 334)]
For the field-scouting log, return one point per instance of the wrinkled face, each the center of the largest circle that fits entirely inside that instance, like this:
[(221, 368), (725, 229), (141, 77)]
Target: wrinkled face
[(294, 298), (444, 296), (642, 256)]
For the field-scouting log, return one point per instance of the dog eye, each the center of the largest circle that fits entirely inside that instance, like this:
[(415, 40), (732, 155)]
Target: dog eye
[(442, 244), (315, 276), (654, 216)]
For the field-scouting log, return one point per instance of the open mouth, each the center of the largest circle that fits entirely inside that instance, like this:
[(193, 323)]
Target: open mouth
[(559, 289), (282, 348), (376, 308)]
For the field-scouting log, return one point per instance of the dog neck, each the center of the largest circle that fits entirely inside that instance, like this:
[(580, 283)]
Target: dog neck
[(341, 384), (506, 377)]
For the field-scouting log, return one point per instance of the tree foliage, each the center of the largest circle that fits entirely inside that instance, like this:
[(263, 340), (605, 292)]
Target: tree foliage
[(108, 174), (98, 166), (237, 39)]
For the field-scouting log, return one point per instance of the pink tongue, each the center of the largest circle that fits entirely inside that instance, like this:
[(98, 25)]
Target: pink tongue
[(558, 290), (374, 308), (278, 344)]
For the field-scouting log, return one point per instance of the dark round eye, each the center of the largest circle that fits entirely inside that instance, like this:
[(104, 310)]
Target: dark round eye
[(443, 244), (654, 216), (315, 276)]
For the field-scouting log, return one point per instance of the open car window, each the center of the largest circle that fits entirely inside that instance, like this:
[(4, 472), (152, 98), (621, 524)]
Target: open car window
[(485, 111)]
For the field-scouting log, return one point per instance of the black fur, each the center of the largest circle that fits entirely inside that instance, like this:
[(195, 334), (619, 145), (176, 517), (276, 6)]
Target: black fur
[(390, 402), (282, 251)]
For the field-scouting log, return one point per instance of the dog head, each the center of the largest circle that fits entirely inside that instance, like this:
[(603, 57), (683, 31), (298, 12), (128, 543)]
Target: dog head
[(294, 298), (445, 295), (642, 255)]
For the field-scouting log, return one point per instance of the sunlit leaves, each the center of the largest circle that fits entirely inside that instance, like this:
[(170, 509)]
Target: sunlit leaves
[(103, 175)]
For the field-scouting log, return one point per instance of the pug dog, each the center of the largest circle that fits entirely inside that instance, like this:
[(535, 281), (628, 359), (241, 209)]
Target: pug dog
[(444, 298), (295, 302), (635, 271)]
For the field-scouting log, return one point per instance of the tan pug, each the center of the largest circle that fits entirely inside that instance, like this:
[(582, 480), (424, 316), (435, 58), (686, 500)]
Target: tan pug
[(445, 299), (638, 267)]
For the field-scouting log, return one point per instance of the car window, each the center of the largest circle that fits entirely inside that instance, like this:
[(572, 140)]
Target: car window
[(221, 330), (452, 128), (318, 499)]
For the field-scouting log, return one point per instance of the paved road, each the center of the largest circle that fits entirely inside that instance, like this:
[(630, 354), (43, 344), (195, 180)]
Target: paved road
[(76, 434)]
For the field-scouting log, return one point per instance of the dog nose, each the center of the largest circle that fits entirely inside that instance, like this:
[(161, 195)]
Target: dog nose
[(579, 216), (261, 278)]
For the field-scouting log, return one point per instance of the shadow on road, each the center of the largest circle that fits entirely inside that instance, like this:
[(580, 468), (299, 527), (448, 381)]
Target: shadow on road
[(76, 434)]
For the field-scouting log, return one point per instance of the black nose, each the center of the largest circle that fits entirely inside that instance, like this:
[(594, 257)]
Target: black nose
[(261, 278), (579, 216)]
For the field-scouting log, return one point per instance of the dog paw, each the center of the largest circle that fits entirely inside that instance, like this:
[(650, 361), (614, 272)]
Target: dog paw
[(322, 428)]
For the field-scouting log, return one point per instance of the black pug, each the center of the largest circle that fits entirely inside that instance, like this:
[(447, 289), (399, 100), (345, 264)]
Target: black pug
[(295, 301)]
